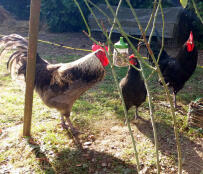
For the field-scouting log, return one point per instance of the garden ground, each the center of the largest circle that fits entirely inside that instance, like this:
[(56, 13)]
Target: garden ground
[(107, 146)]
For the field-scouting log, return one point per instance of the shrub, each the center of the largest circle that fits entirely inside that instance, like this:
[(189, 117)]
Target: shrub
[(19, 8), (63, 15)]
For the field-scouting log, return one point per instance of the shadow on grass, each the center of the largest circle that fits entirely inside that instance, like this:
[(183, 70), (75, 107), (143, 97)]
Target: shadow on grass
[(191, 160), (81, 161), (78, 160), (90, 161), (41, 157)]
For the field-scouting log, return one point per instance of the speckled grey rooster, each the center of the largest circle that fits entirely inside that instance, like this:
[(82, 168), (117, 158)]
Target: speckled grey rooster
[(58, 85)]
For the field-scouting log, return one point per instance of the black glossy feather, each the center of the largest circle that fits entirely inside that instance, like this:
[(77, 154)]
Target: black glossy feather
[(133, 88), (176, 70)]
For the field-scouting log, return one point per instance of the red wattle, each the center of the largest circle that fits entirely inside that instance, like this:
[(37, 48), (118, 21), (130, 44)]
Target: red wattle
[(101, 55), (190, 47), (105, 62), (132, 60)]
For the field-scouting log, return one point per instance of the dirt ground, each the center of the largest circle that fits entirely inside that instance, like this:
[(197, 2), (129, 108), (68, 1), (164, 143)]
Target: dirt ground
[(106, 140)]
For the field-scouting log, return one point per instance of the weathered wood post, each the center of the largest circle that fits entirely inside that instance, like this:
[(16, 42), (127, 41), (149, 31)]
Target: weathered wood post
[(31, 63)]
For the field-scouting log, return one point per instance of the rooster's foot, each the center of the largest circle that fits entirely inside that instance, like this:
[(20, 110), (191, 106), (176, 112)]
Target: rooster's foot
[(65, 126), (137, 117), (177, 107), (126, 122), (73, 130)]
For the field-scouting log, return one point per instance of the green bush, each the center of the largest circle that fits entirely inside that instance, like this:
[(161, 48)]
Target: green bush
[(19, 8), (63, 15)]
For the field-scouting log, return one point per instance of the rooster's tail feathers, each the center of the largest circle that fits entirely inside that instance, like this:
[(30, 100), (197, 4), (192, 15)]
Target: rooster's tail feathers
[(13, 52), (12, 43)]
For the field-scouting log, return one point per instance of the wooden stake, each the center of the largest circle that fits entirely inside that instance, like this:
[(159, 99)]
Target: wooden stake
[(31, 64)]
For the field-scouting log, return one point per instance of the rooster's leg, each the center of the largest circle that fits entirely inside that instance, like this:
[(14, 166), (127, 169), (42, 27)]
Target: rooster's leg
[(136, 113), (63, 122), (174, 99), (73, 129), (69, 125), (126, 119)]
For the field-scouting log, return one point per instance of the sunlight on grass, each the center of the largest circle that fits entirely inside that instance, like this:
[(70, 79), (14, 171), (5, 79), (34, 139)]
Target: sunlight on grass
[(52, 149)]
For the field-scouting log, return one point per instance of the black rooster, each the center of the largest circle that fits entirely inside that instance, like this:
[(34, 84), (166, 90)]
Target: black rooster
[(177, 70), (133, 87), (58, 85)]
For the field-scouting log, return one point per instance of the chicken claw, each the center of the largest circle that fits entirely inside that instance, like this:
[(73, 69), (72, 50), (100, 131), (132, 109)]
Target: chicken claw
[(74, 131)]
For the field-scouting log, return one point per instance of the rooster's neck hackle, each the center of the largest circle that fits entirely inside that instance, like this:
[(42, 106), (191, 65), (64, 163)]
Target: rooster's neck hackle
[(86, 62)]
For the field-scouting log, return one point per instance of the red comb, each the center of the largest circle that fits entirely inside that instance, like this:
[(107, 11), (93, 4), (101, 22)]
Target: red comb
[(190, 43), (95, 47), (191, 36), (131, 56), (102, 55)]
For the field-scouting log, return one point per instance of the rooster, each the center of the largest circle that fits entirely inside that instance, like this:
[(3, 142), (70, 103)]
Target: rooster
[(58, 85), (177, 70), (133, 87)]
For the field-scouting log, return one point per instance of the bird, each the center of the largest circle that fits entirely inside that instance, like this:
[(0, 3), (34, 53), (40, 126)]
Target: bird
[(132, 86), (58, 85), (177, 70)]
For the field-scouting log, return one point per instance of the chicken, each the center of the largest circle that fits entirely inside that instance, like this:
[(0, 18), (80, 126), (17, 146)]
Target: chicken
[(58, 85), (177, 70), (133, 87)]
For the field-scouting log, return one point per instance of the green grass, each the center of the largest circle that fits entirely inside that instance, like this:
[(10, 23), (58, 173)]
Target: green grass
[(53, 151)]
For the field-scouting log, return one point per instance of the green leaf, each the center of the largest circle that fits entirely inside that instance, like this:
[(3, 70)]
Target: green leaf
[(184, 3)]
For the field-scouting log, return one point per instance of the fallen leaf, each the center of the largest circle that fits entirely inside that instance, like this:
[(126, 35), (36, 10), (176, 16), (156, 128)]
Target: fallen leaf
[(104, 165), (92, 137), (78, 165), (87, 143), (43, 159)]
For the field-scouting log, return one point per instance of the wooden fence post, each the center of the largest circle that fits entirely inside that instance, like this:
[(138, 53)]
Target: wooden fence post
[(31, 64)]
